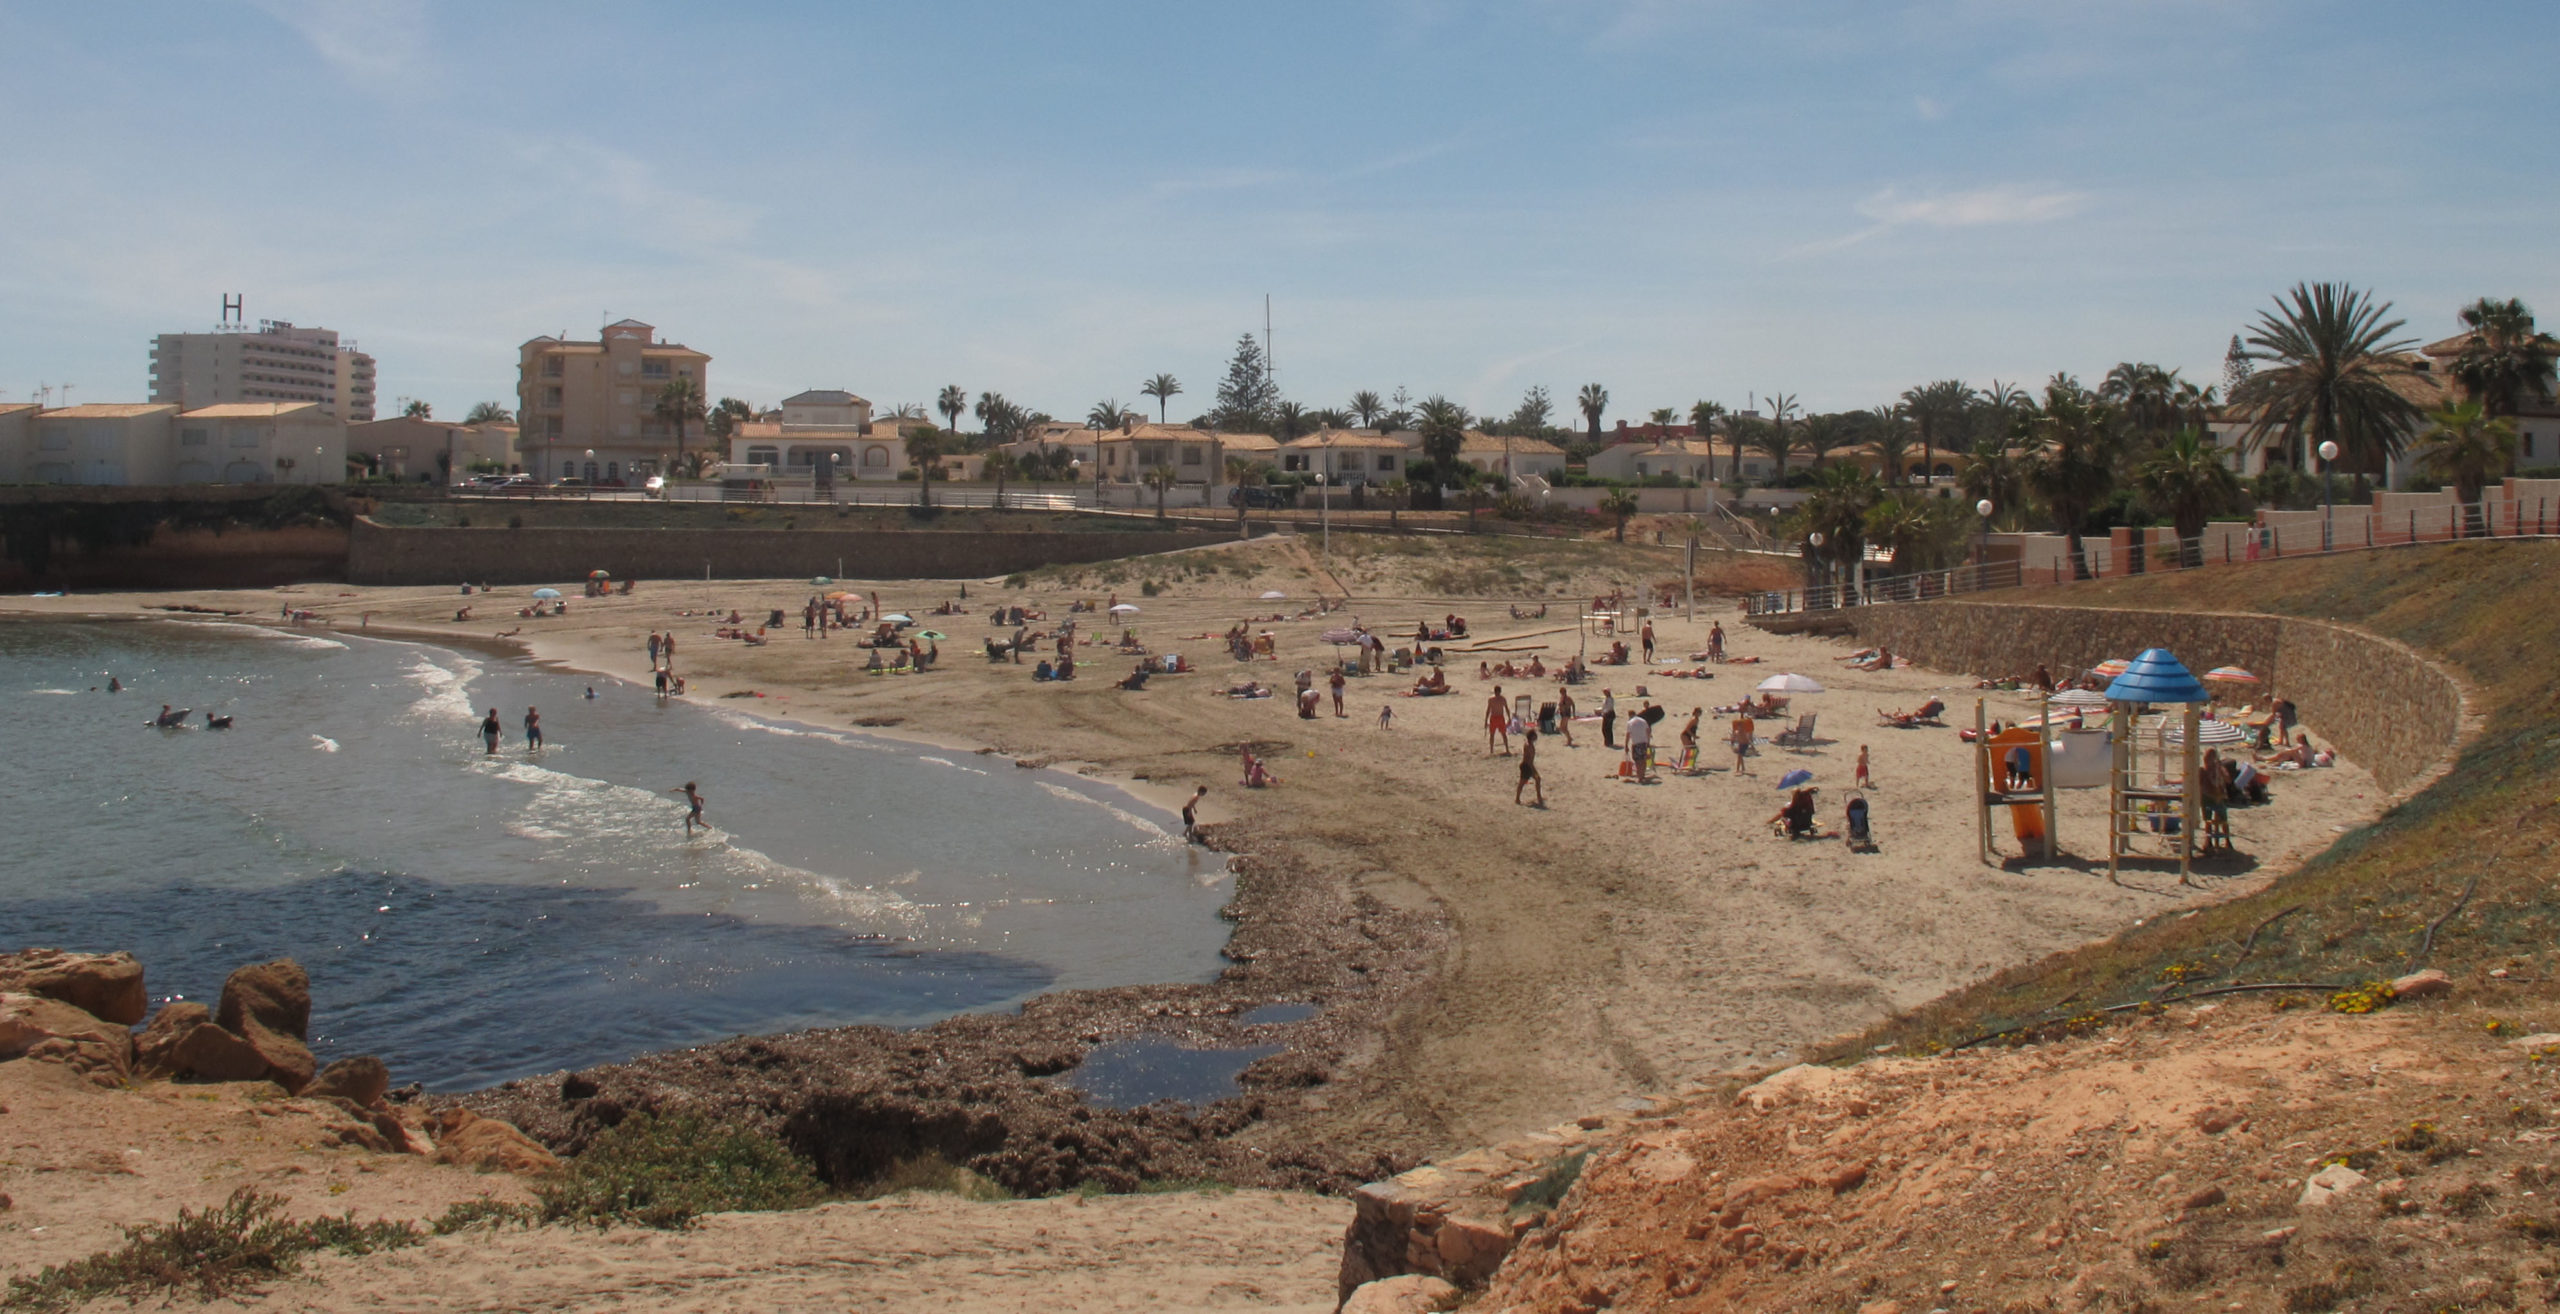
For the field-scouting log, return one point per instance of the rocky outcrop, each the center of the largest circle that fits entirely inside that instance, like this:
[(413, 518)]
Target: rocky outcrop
[(467, 1140), (363, 1080), (256, 1034), (1410, 1294), (269, 1006), (105, 986), (32, 1026)]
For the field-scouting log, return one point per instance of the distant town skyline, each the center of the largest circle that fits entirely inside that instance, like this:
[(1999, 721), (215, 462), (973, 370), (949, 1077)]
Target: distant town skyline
[(1679, 199)]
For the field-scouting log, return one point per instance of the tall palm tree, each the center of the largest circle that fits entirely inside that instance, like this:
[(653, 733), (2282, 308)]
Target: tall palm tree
[(1002, 465), (1164, 388), (679, 403), (1594, 401), (417, 409), (1773, 440), (1106, 414), (487, 412), (1244, 472), (2466, 446), (2145, 395), (2186, 478), (2504, 359), (1702, 419), (2073, 468), (725, 417), (953, 403), (1821, 435), (2333, 374), (1935, 410), (1663, 416), (924, 451), (1837, 508), (1890, 434), (1288, 420), (1368, 406)]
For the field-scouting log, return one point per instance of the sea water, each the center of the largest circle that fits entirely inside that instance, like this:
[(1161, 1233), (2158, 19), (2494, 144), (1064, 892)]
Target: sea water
[(472, 918)]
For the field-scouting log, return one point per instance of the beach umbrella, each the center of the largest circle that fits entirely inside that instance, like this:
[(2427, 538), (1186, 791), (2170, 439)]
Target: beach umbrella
[(842, 596), (2110, 668), (819, 581), (2231, 675), (546, 593), (2078, 698), (1270, 594), (1342, 636), (899, 618), (1794, 778), (2154, 676), (599, 574), (2209, 732), (1124, 608), (1790, 683), (931, 634)]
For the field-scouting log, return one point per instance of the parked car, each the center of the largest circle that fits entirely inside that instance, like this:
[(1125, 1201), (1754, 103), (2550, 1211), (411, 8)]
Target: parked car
[(570, 481), (1258, 498)]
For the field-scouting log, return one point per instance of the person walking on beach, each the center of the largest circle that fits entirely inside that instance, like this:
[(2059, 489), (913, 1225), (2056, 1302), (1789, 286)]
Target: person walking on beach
[(1564, 712), (1191, 814), (533, 729), (1336, 683), (667, 649), (1740, 736), (1640, 746), (1529, 770), (662, 683), (1608, 719), (1647, 636), (693, 811), (1689, 739), (1715, 642), (653, 650), (490, 730), (1497, 723)]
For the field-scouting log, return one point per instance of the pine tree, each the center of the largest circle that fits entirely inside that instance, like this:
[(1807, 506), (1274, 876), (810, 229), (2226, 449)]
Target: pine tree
[(2235, 366), (1247, 397)]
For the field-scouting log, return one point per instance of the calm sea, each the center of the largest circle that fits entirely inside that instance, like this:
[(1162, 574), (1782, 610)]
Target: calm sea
[(474, 918)]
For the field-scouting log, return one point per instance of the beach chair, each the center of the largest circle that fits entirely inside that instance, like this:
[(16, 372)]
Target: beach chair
[(1802, 735)]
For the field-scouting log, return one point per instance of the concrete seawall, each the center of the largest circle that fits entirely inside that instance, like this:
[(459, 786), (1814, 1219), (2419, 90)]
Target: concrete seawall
[(2386, 708), (383, 554)]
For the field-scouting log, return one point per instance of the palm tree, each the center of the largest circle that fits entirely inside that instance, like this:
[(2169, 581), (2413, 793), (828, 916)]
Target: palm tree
[(1162, 479), (1935, 410), (1288, 420), (1890, 434), (1837, 508), (1619, 505), (487, 413), (2504, 359), (2334, 377), (2145, 395), (1328, 418), (1443, 426), (2074, 466), (726, 416), (953, 403), (924, 451), (1003, 465), (1368, 406), (1244, 472), (1782, 411), (1594, 401), (1773, 440), (417, 410), (1702, 418), (2186, 478), (1163, 388), (679, 403), (1106, 414), (1663, 416), (2466, 446), (1821, 435), (1991, 474)]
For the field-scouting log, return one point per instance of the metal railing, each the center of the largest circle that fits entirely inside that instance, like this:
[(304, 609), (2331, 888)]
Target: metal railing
[(1916, 586)]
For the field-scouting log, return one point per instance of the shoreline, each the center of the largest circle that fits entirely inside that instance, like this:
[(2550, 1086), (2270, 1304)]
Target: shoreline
[(1482, 970)]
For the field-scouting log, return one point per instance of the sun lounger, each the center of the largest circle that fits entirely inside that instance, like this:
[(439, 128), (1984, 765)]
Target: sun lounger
[(1802, 735)]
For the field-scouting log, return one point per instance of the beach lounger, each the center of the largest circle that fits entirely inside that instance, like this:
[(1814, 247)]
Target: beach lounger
[(1802, 735)]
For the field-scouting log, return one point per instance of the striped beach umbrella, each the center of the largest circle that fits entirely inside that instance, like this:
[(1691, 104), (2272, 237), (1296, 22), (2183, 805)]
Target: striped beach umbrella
[(2110, 668), (2231, 675), (2209, 732)]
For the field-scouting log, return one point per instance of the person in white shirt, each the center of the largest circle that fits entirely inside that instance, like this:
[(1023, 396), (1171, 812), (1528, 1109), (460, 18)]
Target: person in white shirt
[(1640, 745)]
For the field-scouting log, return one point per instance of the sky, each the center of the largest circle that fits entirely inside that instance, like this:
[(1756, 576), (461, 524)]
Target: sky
[(1677, 199)]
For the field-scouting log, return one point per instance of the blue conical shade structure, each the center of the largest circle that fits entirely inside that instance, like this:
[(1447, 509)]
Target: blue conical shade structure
[(2157, 677)]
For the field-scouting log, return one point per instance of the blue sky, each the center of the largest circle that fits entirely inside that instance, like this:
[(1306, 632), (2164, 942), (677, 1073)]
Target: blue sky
[(1676, 198)]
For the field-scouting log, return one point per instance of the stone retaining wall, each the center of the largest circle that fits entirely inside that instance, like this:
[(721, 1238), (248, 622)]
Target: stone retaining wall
[(2385, 707), (384, 554)]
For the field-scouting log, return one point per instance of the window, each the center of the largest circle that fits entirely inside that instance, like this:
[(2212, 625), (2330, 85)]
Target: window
[(653, 369), (874, 458), (191, 437), (551, 396), (551, 367), (591, 472), (613, 469), (763, 455), (1386, 461)]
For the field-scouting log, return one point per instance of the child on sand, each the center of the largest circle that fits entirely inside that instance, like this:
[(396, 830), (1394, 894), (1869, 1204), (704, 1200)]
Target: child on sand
[(1863, 779), (1529, 770), (693, 810)]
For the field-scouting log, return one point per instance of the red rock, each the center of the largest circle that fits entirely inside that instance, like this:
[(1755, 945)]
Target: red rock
[(1846, 1178), (213, 1054), (155, 1050), (105, 986), (1412, 1293), (2214, 1120), (2420, 985), (50, 1029), (466, 1139), (361, 1081), (269, 1006), (2204, 1199)]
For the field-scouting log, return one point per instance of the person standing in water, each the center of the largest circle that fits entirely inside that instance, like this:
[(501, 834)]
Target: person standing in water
[(533, 729), (490, 730), (693, 816), (1191, 815)]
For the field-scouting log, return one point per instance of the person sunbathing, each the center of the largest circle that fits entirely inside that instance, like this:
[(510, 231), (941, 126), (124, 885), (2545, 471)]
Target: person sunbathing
[(1537, 669), (1437, 682), (1248, 689), (1898, 720)]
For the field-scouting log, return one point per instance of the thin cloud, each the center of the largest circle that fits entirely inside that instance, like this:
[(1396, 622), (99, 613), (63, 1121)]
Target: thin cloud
[(366, 41), (2006, 204)]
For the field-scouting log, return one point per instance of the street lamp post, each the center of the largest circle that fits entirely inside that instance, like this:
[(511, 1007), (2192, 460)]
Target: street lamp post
[(591, 475), (1813, 558), (1982, 558), (2328, 502)]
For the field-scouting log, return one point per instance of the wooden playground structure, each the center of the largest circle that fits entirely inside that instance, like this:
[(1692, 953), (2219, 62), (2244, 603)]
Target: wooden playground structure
[(2152, 778)]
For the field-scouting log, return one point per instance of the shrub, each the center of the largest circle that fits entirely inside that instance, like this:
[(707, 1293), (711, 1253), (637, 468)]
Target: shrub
[(221, 1251), (664, 1171)]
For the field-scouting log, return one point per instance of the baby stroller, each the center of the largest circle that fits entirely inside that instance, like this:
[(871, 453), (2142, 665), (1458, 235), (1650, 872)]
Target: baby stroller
[(1861, 838)]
